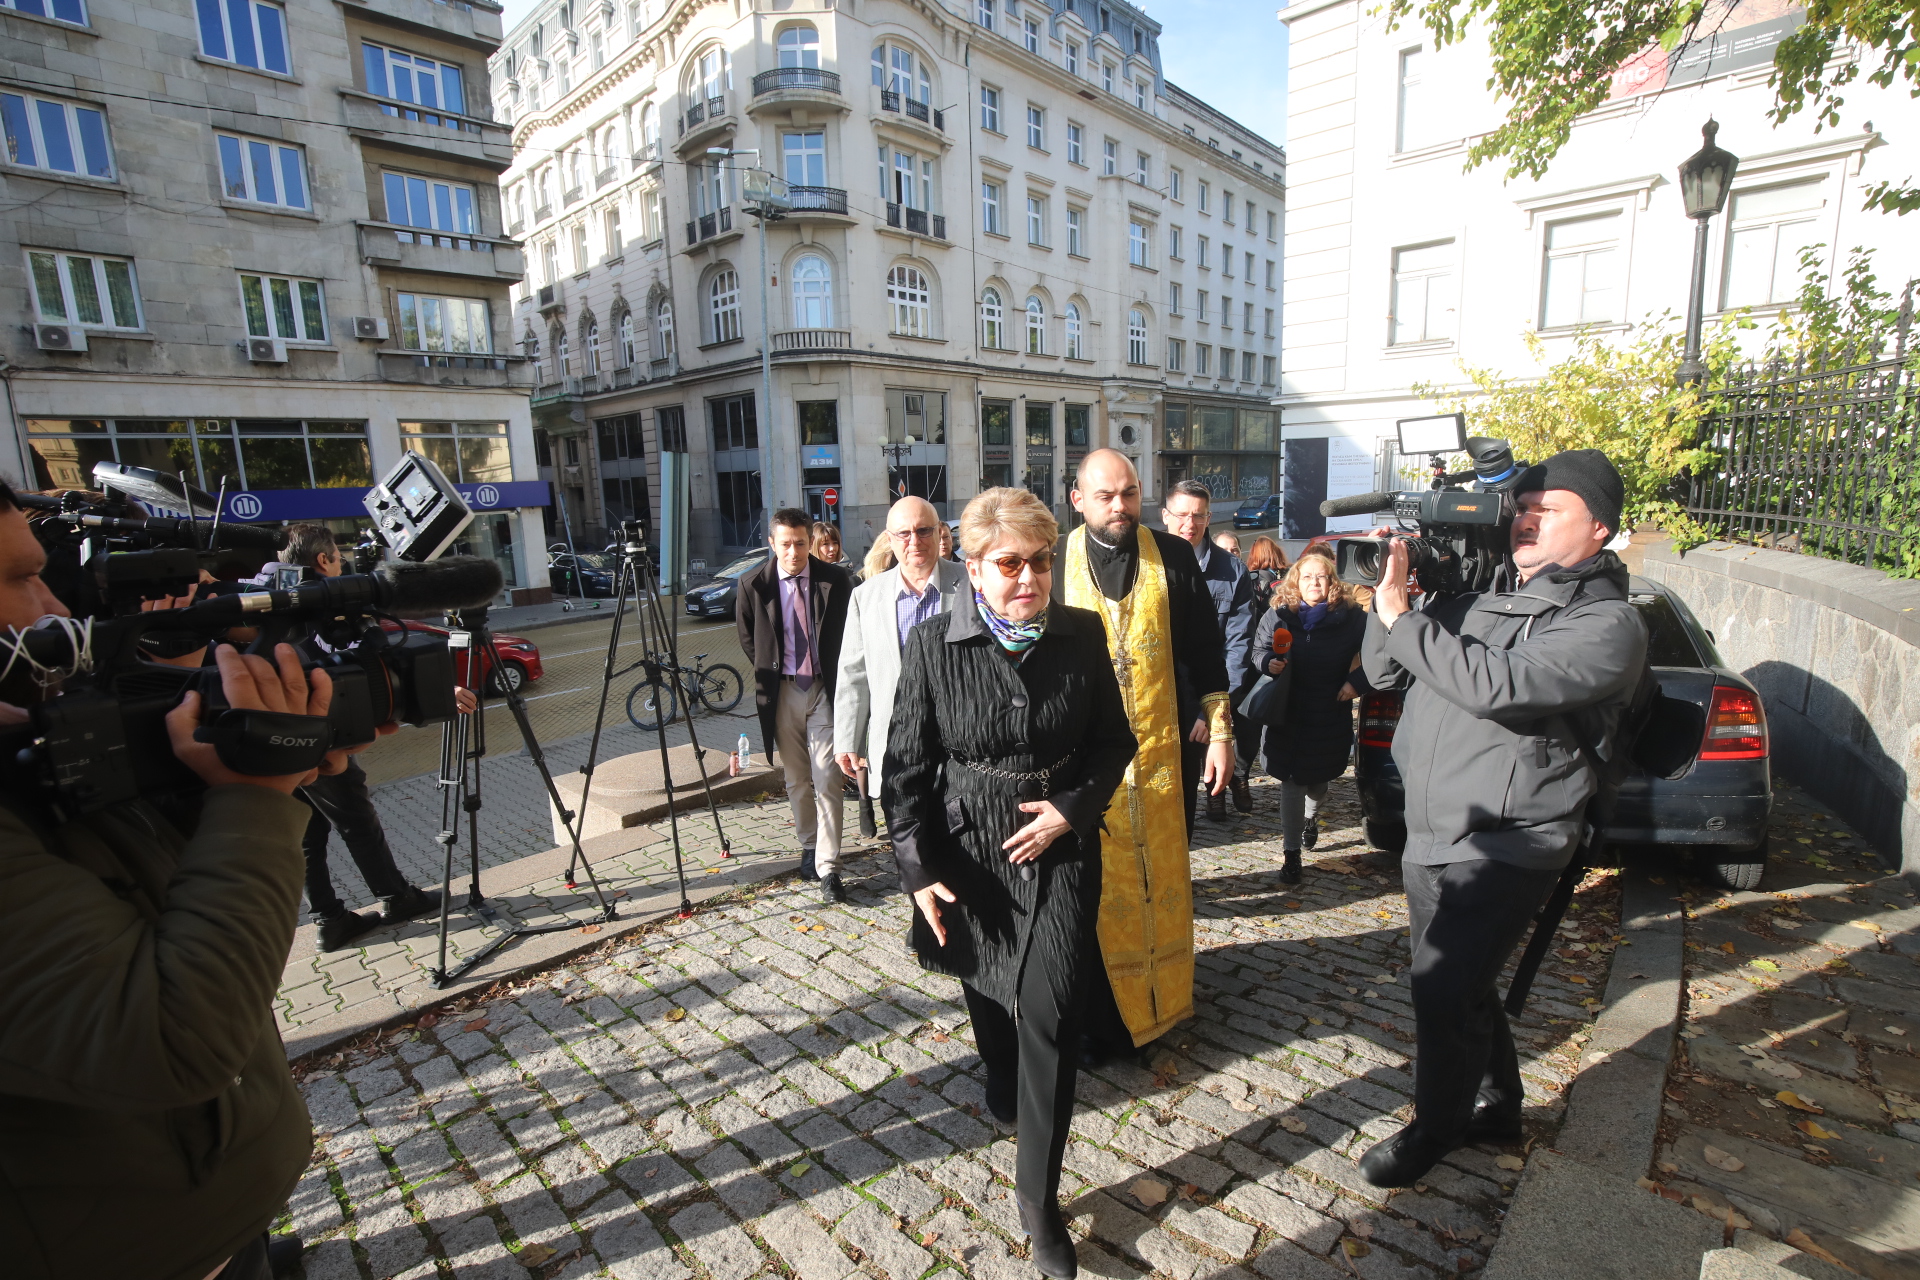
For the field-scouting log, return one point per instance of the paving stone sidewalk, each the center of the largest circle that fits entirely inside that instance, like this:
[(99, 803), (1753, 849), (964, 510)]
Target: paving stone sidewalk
[(772, 1088), (1797, 1104)]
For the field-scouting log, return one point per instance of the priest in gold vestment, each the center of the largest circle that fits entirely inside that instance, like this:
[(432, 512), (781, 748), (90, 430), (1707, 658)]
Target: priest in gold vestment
[(1163, 635)]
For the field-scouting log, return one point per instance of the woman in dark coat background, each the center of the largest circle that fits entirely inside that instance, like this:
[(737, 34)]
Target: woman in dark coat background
[(1008, 740), (1312, 747)]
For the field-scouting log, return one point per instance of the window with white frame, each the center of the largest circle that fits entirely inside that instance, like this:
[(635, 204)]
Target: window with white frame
[(63, 137), (73, 11), (1176, 355), (280, 307), (1273, 225), (1032, 30), (1173, 298), (627, 346), (1226, 363), (984, 14), (1202, 358), (408, 77), (1076, 333), (1036, 326), (1268, 330), (1173, 183), (562, 353), (1578, 277), (990, 200), (989, 108), (1268, 365), (1246, 366), (1226, 313), (908, 180), (1201, 244), (993, 319), (432, 205), (1270, 271), (1246, 317), (1136, 336), (799, 47), (84, 289), (597, 57), (1226, 207), (909, 302), (549, 262), (1423, 292), (803, 157), (1137, 244), (903, 72), (1140, 94), (582, 256), (1036, 220), (1106, 76), (1226, 262), (1205, 189), (1110, 157), (1767, 229), (1415, 125), (269, 173), (1073, 58), (1142, 167), (663, 327), (1200, 306), (1175, 249), (1076, 232), (1076, 144), (590, 345), (1036, 128), (251, 33), (723, 306), (453, 325), (812, 292)]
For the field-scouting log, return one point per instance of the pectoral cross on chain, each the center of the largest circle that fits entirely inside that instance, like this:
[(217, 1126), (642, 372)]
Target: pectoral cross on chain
[(1123, 664)]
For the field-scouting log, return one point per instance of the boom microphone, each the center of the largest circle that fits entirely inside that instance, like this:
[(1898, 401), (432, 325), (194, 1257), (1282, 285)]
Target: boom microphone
[(1360, 504), (420, 589), (231, 537)]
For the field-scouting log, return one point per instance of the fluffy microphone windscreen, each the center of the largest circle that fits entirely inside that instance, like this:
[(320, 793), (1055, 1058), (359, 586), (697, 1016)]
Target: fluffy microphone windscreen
[(434, 586)]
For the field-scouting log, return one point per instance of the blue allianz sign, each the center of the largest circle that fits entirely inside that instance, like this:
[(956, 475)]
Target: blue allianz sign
[(251, 505)]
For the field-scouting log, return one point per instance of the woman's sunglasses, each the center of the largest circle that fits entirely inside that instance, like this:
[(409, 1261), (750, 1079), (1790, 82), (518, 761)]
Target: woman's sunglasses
[(1010, 566)]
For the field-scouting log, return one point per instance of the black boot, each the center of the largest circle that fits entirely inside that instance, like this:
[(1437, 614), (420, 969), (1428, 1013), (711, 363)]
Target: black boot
[(1216, 805), (1242, 794), (413, 903), (1495, 1122), (1290, 868), (1403, 1159), (342, 927), (1052, 1249), (1311, 836)]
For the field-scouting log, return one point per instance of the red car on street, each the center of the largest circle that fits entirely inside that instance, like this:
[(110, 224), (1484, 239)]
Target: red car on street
[(519, 659)]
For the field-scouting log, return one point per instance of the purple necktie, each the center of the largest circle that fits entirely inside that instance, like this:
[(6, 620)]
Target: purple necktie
[(797, 608)]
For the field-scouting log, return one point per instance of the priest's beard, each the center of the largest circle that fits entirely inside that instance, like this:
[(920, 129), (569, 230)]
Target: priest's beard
[(1116, 532)]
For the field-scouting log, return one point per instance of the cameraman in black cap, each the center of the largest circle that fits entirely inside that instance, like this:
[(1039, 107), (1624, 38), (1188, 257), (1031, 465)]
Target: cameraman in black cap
[(148, 1123), (1502, 688)]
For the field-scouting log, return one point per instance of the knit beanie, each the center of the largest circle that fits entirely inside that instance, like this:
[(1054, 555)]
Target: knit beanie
[(1587, 472)]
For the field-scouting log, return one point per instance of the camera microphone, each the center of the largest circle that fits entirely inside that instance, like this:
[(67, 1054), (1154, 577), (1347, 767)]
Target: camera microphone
[(231, 537), (424, 589), (1360, 504)]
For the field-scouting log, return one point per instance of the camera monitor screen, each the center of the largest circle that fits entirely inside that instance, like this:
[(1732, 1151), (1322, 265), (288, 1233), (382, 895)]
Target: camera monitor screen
[(416, 491), (1440, 433)]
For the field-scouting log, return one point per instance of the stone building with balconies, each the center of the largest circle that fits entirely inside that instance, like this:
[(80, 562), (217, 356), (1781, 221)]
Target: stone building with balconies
[(980, 262), (261, 245)]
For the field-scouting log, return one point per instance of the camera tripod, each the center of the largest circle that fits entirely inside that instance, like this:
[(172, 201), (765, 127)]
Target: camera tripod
[(661, 646), (463, 743)]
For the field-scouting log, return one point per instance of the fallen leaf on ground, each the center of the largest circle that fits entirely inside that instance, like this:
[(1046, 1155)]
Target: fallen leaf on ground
[(1898, 1031), (1514, 1163), (1293, 1124), (800, 1170), (1148, 1191), (1729, 948), (534, 1254), (1804, 1243), (1363, 1229), (478, 1024), (676, 1013), (939, 1037), (1723, 1159), (1768, 965), (928, 1237), (1798, 1103), (1383, 977), (1814, 1129), (429, 1019), (1356, 1248), (589, 928)]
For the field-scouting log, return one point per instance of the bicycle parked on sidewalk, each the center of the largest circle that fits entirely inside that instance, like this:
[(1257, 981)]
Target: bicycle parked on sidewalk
[(717, 688)]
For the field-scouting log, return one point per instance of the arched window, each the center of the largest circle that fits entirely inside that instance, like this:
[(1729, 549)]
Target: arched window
[(530, 347), (1036, 327), (663, 327), (1074, 351), (723, 305), (713, 74), (993, 319), (649, 132), (1136, 336), (626, 339), (799, 47), (812, 293), (562, 360), (590, 340), (910, 302), (902, 71)]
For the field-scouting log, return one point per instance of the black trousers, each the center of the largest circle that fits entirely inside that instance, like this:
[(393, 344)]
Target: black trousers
[(1193, 767), (1467, 918), (341, 803), (1042, 1050)]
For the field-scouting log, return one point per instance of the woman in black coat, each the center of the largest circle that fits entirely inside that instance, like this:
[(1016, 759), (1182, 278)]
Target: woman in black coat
[(1008, 739), (1312, 746)]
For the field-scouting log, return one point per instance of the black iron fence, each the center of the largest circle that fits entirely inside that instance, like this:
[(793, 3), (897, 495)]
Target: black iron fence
[(1821, 457)]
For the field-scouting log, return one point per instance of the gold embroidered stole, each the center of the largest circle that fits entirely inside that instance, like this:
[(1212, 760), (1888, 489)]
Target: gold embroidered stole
[(1146, 886)]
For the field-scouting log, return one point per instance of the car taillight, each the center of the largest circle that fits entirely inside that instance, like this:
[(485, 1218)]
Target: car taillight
[(1379, 716), (1736, 726)]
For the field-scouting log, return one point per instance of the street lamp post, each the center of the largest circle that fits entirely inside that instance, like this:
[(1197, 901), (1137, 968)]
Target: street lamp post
[(764, 211), (1704, 179), (896, 455)]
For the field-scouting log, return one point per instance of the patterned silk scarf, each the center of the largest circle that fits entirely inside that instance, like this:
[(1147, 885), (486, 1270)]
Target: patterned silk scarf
[(1014, 637)]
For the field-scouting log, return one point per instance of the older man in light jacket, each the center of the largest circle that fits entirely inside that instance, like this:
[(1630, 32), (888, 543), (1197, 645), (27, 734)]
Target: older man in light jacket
[(882, 611)]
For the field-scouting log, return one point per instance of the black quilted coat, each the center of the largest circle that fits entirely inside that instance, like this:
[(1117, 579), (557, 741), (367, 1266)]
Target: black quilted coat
[(1316, 741), (960, 698)]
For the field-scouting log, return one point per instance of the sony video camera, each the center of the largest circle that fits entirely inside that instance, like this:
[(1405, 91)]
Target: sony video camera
[(103, 739), (1457, 535)]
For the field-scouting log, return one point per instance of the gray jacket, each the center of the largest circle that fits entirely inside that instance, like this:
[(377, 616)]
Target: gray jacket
[(870, 662), (1496, 684)]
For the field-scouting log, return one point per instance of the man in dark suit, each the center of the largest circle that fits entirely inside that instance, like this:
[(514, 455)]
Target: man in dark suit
[(792, 612), (1187, 511)]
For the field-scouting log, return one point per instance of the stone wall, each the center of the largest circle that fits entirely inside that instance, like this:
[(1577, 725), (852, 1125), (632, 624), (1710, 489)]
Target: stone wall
[(1835, 651)]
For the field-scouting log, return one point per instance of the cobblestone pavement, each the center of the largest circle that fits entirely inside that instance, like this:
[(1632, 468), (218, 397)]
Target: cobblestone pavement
[(1798, 1099), (772, 1088)]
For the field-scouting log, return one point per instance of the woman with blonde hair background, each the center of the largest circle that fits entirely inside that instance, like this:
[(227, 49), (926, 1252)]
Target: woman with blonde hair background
[(1009, 737), (1312, 746)]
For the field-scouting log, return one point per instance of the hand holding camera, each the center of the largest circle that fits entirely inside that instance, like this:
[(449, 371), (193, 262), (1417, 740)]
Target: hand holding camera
[(251, 683)]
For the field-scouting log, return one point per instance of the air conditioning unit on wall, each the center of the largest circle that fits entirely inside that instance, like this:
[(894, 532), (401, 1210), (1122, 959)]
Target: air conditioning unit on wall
[(267, 350), (59, 337), (370, 328)]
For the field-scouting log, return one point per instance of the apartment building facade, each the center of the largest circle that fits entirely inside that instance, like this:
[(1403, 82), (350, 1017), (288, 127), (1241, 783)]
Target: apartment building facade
[(1006, 241), (260, 245), (1401, 268)]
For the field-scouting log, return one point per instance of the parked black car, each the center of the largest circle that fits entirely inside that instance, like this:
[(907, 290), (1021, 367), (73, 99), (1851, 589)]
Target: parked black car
[(1258, 513), (715, 600), (584, 573), (1700, 783)]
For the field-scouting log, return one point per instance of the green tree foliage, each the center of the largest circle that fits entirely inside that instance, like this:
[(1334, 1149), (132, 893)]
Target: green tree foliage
[(1553, 61)]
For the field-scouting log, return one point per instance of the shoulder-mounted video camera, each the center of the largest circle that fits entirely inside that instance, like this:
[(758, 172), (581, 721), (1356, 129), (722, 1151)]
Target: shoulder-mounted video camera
[(103, 738), (1457, 536)]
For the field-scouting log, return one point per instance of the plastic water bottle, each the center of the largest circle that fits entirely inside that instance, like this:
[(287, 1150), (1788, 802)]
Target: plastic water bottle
[(745, 750)]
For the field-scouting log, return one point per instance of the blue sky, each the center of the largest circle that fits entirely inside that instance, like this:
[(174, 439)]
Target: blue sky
[(1230, 53)]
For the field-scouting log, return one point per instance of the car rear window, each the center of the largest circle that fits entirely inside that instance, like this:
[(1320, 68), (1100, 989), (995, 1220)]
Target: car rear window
[(1668, 642)]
